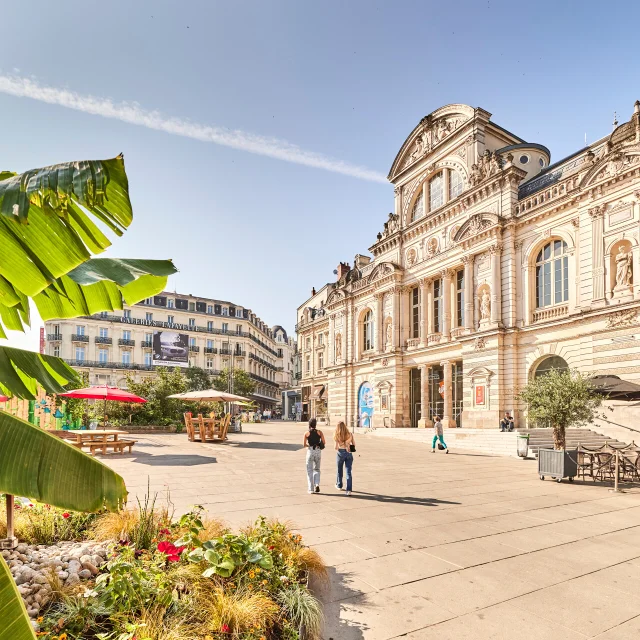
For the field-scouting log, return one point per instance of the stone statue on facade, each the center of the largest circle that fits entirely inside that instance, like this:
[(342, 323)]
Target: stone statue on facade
[(624, 273), (389, 335), (338, 346), (485, 307)]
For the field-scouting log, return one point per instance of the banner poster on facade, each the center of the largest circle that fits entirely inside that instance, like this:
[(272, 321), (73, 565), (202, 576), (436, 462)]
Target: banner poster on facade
[(365, 404), (170, 349)]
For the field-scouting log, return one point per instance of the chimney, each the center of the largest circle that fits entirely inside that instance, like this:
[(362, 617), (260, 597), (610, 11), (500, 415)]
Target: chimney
[(313, 291), (343, 269)]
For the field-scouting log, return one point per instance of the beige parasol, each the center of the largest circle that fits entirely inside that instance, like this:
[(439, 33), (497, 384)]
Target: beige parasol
[(209, 395)]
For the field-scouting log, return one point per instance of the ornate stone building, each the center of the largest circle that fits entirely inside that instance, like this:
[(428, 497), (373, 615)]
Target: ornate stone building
[(493, 267)]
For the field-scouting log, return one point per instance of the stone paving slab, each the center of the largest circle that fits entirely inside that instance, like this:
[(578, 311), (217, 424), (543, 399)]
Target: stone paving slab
[(428, 546)]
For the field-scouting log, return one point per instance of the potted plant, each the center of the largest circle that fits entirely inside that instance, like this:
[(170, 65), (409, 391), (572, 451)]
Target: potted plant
[(560, 399)]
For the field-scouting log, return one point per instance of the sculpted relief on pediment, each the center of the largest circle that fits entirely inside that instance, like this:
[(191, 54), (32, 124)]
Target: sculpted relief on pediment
[(476, 225)]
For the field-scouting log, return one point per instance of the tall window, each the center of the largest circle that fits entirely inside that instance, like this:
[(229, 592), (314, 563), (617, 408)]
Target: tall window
[(239, 329), (103, 355), (209, 363), (552, 274), (209, 308), (149, 317), (418, 207), (192, 342), (148, 359), (367, 331), (437, 305), (80, 353), (126, 313), (148, 337), (104, 333), (320, 339), (126, 357), (455, 184), (170, 319), (126, 334), (210, 325), (209, 344), (308, 364), (225, 311), (170, 303), (460, 298), (415, 313), (56, 351), (80, 330), (321, 361), (192, 322), (436, 192), (308, 344), (225, 327)]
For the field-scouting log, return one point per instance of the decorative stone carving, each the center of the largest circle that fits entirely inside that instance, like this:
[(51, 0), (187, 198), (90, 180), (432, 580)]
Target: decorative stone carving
[(597, 211), (624, 275), (624, 318), (479, 344), (485, 306), (338, 346), (385, 362), (412, 257), (391, 225), (388, 339), (431, 248), (432, 134), (489, 164)]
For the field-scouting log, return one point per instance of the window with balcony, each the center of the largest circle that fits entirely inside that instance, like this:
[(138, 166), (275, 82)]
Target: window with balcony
[(367, 331), (80, 330), (225, 327), (103, 355), (126, 357), (148, 317), (103, 333), (552, 274), (437, 305), (415, 312), (279, 353), (148, 338), (148, 359), (209, 344), (104, 314), (192, 342), (126, 334), (80, 354), (239, 329), (436, 192), (460, 298), (210, 325)]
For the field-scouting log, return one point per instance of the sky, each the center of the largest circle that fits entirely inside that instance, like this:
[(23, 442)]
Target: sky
[(257, 135)]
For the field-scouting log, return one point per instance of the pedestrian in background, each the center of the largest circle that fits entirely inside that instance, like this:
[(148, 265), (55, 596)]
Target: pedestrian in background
[(437, 435), (314, 442), (345, 445)]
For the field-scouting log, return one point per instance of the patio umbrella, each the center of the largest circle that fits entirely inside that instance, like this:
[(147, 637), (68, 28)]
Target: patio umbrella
[(104, 392), (616, 388), (209, 395)]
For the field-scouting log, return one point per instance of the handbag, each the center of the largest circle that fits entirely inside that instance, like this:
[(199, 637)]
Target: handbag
[(352, 448), (440, 446)]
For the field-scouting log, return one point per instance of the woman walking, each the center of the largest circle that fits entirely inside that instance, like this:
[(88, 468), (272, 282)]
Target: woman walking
[(314, 442), (345, 444), (437, 435)]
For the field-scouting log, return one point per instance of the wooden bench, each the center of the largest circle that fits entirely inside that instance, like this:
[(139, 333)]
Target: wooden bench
[(117, 445)]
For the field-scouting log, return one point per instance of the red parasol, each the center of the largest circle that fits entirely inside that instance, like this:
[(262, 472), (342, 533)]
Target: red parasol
[(103, 392)]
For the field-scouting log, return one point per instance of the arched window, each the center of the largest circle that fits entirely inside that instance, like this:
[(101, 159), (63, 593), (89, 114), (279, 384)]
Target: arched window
[(552, 362), (367, 331), (418, 207), (552, 274), (436, 191), (455, 184)]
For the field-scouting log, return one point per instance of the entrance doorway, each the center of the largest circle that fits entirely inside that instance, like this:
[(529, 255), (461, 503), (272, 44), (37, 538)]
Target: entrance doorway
[(436, 392), (415, 396)]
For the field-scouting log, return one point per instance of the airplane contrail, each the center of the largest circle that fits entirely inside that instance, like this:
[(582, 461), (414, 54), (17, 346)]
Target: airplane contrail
[(133, 113)]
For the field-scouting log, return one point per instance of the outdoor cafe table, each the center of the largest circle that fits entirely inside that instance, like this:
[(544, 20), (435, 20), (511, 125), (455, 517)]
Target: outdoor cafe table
[(83, 437)]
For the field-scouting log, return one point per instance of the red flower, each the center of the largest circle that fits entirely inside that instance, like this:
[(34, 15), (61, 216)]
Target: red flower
[(225, 628), (271, 547), (164, 532), (170, 550), (30, 504), (66, 515)]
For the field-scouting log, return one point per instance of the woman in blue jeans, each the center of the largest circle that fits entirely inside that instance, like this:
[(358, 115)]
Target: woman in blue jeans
[(344, 441)]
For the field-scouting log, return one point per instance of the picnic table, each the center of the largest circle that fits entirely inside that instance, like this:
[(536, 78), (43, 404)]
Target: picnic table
[(96, 439)]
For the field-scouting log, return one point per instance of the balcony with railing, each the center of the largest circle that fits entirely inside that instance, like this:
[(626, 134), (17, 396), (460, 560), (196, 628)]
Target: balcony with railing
[(54, 337), (109, 365), (194, 348), (550, 313), (210, 350), (79, 337), (434, 338), (263, 380), (297, 375), (126, 342), (146, 344), (103, 340), (456, 332), (239, 353), (225, 352), (413, 343)]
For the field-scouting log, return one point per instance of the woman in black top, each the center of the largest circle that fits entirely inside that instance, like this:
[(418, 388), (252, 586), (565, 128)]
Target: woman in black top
[(314, 443)]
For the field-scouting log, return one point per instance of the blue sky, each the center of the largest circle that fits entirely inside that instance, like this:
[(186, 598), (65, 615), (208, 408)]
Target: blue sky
[(346, 80)]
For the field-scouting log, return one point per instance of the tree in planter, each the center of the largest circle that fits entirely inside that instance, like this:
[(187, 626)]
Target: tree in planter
[(561, 399), (48, 233), (243, 384)]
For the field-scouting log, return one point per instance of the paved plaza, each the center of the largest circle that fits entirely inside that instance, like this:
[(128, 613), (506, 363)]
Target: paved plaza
[(464, 546)]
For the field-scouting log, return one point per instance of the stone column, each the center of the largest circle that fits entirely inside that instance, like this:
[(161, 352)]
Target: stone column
[(396, 317), (332, 340), (446, 303), (520, 295), (447, 419), (430, 327), (398, 201), (424, 396), (597, 253), (424, 310), (379, 323), (468, 292), (496, 285)]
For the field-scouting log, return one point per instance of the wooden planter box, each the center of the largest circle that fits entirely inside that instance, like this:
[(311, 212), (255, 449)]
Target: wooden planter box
[(558, 464)]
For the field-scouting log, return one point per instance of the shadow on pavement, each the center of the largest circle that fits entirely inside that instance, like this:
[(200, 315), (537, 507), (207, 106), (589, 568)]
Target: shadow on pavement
[(280, 446), (172, 460), (376, 497), (331, 592)]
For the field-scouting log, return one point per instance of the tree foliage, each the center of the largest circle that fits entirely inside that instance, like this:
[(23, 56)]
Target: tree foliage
[(561, 399), (198, 379), (243, 384)]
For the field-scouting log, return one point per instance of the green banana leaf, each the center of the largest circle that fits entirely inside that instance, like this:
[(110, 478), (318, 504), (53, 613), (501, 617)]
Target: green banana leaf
[(15, 623), (38, 465), (48, 219)]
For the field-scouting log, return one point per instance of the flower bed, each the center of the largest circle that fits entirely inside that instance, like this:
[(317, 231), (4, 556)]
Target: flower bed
[(186, 579)]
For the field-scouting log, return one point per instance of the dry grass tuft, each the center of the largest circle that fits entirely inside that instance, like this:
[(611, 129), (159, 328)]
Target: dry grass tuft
[(241, 611), (308, 559), (115, 526), (213, 528)]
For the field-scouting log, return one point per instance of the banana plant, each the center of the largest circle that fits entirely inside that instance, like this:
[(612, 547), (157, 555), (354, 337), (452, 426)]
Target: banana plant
[(52, 222)]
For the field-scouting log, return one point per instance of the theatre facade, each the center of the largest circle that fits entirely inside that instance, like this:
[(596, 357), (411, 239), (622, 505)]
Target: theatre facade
[(494, 266)]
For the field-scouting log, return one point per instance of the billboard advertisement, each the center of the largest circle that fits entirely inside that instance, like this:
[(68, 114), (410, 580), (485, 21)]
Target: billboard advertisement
[(170, 349), (365, 404)]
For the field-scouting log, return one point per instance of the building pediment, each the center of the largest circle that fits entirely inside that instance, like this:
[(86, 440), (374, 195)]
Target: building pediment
[(430, 133), (476, 226)]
